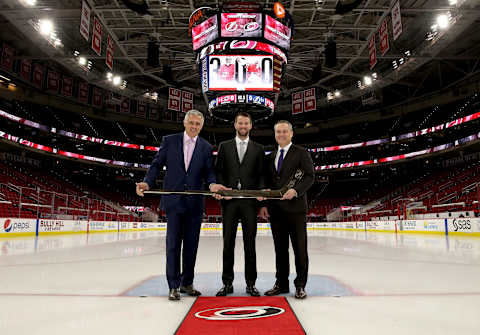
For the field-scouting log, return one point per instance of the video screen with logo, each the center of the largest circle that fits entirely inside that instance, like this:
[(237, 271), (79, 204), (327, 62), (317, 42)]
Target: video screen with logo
[(241, 25), (277, 32), (240, 72), (205, 32)]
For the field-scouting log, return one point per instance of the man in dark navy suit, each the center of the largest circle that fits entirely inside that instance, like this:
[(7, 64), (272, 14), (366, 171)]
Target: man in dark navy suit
[(288, 215), (189, 166)]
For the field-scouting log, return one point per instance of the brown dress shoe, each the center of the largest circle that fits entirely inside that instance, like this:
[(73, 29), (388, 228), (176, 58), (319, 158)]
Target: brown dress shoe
[(174, 294), (190, 291)]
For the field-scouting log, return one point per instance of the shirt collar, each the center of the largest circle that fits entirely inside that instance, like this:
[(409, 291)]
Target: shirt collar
[(238, 140), (186, 137), (285, 149)]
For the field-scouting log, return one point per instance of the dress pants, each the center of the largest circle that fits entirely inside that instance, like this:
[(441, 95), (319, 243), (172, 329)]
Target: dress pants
[(245, 211), (182, 228), (284, 226)]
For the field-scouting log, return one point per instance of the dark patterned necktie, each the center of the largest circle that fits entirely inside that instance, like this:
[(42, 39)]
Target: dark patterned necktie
[(280, 161)]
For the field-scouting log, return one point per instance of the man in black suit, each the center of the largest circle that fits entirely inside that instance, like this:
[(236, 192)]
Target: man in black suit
[(239, 165), (288, 215)]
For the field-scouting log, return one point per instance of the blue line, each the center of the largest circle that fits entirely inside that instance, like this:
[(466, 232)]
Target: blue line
[(36, 228), (446, 227)]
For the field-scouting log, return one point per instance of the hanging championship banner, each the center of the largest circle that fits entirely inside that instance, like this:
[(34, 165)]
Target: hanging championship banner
[(383, 33), (8, 53), (83, 92), (187, 101), (38, 75), (309, 100), (142, 110), (153, 113), (167, 115), (125, 106), (297, 103), (174, 97), (97, 37), (52, 81), (372, 51), (85, 21), (396, 21), (26, 69), (67, 86), (109, 57), (97, 98)]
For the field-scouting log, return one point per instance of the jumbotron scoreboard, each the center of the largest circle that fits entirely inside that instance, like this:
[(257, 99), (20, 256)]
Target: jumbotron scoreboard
[(242, 50)]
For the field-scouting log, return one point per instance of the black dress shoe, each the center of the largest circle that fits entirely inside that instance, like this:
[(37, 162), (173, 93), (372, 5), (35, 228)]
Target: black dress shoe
[(226, 289), (300, 293), (190, 291), (276, 290), (174, 294), (252, 290)]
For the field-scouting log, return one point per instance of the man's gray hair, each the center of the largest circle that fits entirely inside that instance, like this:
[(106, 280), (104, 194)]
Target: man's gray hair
[(194, 112), (284, 122)]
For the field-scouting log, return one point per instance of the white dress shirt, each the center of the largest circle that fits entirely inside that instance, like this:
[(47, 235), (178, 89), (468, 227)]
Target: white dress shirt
[(238, 141)]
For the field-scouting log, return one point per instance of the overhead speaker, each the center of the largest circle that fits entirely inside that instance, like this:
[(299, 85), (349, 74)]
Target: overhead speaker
[(167, 73), (153, 54), (317, 73), (331, 54)]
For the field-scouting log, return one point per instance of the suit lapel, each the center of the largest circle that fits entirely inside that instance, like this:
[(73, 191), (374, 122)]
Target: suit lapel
[(235, 151), (180, 145), (288, 156)]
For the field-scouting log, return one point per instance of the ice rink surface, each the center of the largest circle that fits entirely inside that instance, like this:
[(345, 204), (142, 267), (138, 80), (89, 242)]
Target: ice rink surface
[(360, 282)]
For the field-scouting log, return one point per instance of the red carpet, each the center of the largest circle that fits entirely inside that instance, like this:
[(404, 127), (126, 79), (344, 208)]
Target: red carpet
[(240, 315)]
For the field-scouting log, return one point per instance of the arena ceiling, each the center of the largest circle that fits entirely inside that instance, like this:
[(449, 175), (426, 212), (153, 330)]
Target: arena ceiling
[(453, 53)]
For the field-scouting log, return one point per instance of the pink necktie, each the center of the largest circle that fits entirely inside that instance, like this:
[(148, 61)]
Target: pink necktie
[(188, 156)]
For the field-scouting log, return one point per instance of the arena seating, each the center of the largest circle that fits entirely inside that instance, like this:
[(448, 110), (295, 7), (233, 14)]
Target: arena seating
[(26, 191)]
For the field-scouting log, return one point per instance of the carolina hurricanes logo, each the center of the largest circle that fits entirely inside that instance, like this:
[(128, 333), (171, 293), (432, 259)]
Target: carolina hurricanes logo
[(7, 226), (243, 44), (251, 26), (239, 313), (231, 26)]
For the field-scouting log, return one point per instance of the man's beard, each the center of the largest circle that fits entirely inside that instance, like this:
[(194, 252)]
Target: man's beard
[(242, 132)]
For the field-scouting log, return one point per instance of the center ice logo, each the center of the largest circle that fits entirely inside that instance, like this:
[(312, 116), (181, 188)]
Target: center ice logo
[(239, 313), (7, 226)]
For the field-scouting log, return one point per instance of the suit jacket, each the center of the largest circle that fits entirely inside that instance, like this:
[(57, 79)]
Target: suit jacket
[(200, 172), (230, 171), (296, 158)]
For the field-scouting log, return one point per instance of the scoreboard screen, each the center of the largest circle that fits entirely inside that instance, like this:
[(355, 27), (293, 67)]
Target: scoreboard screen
[(241, 25), (239, 72), (205, 32), (277, 32)]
